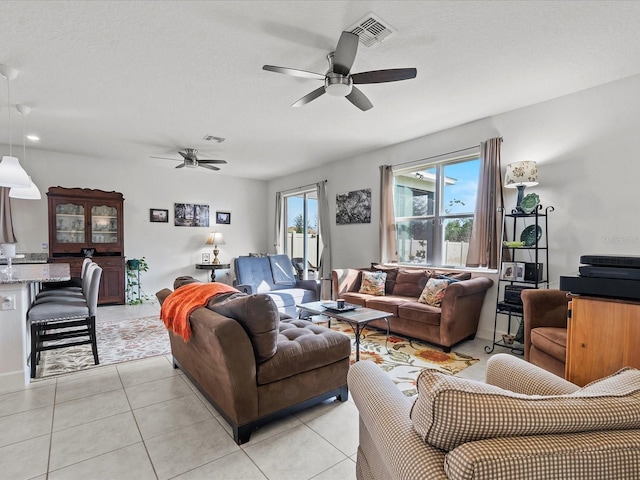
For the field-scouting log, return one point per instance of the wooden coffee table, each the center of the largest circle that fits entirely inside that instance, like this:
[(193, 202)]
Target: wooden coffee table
[(358, 318)]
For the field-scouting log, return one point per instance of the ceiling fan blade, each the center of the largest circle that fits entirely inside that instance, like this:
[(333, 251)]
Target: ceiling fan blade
[(309, 97), (293, 72), (212, 161), (381, 76), (166, 158), (359, 99), (210, 167), (184, 155), (181, 165), (345, 53)]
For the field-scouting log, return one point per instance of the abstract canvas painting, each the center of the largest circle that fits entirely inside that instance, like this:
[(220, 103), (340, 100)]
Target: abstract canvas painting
[(353, 207)]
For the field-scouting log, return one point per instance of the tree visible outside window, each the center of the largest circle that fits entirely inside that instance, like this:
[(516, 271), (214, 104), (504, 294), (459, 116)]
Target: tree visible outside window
[(434, 207)]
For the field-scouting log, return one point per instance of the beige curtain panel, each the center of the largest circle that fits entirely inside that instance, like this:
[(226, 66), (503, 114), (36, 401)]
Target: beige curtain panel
[(484, 246), (388, 242), (6, 223)]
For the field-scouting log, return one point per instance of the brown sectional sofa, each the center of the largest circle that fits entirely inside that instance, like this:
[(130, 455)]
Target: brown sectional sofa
[(455, 320), (254, 367)]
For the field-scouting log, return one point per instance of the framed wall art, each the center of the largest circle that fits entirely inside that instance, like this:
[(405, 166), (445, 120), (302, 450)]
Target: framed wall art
[(206, 258), (158, 215), (191, 215), (223, 218), (353, 207)]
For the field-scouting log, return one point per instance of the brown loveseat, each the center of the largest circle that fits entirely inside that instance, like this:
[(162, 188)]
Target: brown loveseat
[(523, 424), (253, 367), (455, 320)]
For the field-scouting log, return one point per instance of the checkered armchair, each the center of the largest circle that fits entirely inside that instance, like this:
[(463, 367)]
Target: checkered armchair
[(523, 423)]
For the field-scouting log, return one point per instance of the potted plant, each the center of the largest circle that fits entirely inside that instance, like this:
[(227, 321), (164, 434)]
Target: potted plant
[(135, 294)]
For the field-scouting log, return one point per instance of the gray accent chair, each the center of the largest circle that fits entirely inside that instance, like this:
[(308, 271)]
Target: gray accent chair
[(274, 275)]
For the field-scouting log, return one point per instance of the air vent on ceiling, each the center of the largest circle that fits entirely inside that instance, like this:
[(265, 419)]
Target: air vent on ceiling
[(212, 138), (371, 30)]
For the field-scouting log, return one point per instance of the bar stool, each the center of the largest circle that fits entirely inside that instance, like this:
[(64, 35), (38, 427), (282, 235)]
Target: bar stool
[(62, 318)]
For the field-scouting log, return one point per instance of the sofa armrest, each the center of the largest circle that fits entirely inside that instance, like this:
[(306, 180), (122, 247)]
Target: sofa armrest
[(312, 285), (344, 280), (460, 309), (384, 413), (245, 289), (514, 374)]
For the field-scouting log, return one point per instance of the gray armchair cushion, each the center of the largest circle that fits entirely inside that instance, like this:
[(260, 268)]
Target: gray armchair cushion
[(282, 270), (255, 272)]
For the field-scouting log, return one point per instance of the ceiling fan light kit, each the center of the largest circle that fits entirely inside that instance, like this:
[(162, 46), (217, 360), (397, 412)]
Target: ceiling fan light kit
[(339, 81)]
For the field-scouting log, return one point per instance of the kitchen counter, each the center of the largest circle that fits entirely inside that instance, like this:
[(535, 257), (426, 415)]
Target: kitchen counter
[(29, 273), (17, 290), (28, 258)]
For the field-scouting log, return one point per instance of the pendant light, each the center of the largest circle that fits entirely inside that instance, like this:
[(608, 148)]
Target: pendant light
[(11, 173), (32, 192)]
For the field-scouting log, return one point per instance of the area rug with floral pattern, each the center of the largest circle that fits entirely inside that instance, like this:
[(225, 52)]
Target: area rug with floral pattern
[(118, 341), (406, 357)]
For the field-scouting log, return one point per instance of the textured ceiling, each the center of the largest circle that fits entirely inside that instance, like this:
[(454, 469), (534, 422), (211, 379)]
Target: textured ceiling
[(127, 80)]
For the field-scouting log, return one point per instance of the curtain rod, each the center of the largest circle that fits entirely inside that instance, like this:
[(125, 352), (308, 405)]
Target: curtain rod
[(434, 156), (302, 187)]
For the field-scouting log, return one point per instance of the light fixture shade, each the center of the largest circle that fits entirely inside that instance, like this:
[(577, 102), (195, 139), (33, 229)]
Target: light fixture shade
[(12, 174), (215, 238), (521, 174), (32, 192)]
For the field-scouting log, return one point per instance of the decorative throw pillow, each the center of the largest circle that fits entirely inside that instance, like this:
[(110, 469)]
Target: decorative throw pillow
[(433, 292), (373, 283), (450, 411)]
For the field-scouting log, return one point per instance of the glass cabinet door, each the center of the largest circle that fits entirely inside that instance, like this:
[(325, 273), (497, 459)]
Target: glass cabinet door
[(104, 224), (70, 223)]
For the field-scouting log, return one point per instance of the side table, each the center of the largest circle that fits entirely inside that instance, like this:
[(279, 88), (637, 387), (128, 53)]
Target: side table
[(213, 267)]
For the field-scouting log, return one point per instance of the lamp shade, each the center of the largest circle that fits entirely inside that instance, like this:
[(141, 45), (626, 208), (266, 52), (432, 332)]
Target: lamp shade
[(521, 174), (12, 174), (215, 238), (32, 192)]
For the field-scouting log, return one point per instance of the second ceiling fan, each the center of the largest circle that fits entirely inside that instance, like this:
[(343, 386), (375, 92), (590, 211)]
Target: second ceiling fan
[(339, 81)]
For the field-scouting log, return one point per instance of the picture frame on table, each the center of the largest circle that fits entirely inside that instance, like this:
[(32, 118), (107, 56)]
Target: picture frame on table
[(223, 218), (206, 258), (508, 271), (158, 215)]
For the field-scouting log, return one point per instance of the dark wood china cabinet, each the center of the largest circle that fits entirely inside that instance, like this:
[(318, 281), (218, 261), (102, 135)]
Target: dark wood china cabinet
[(85, 222)]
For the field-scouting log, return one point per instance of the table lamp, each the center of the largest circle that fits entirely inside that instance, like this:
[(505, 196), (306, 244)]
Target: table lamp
[(520, 175), (215, 239)]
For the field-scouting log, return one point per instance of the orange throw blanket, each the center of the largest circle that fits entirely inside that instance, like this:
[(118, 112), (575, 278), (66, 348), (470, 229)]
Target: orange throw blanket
[(179, 304)]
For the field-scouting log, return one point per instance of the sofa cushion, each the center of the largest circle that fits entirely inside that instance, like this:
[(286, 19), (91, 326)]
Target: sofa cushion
[(392, 273), (303, 346), (450, 411), (373, 283), (259, 317), (433, 292), (420, 312), (550, 340), (387, 304), (357, 298), (410, 283)]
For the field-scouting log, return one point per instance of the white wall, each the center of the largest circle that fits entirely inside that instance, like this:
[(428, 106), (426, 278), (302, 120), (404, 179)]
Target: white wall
[(586, 148), (145, 183)]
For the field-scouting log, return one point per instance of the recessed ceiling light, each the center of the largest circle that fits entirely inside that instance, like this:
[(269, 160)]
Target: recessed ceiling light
[(33, 138)]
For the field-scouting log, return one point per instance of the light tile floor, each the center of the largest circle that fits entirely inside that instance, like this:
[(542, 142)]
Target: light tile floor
[(145, 420)]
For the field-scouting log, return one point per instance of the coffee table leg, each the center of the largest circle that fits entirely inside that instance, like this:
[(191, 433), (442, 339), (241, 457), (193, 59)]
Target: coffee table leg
[(358, 330), (386, 340)]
